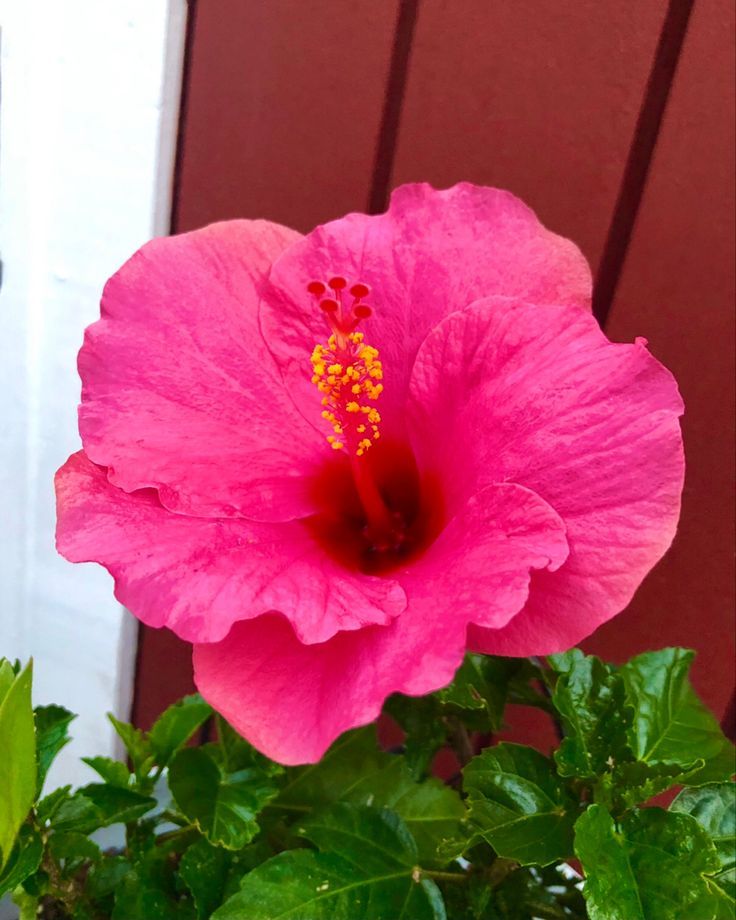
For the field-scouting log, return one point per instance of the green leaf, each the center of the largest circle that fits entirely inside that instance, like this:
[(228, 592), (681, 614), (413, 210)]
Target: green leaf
[(116, 805), (432, 811), (238, 754), (348, 766), (519, 805), (71, 849), (204, 869), (176, 726), (51, 803), (149, 891), (590, 698), (112, 771), (671, 725), (100, 805), (366, 870), (136, 744), (18, 762), (714, 808), (480, 688), (651, 868), (7, 676), (633, 783), (105, 876), (52, 723), (25, 858), (225, 809), (424, 729)]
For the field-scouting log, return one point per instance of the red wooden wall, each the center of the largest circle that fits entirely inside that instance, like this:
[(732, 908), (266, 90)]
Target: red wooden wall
[(614, 120)]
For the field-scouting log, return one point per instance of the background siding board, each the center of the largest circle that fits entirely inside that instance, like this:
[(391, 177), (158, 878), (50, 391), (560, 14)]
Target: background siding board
[(284, 108), (677, 289), (537, 96), (283, 118)]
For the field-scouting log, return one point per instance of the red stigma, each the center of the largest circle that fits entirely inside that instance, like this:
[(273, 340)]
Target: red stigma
[(328, 305), (316, 288), (338, 283), (362, 311), (360, 290)]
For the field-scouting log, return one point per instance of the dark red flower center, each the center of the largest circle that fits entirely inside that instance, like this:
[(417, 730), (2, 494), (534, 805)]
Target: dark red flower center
[(414, 512)]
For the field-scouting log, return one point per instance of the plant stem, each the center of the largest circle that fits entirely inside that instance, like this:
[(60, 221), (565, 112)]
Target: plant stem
[(445, 876), (460, 740)]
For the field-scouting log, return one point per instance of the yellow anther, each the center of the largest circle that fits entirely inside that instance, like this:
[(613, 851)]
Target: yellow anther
[(347, 372)]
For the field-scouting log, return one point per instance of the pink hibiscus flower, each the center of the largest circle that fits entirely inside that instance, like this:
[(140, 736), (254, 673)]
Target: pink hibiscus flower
[(497, 475)]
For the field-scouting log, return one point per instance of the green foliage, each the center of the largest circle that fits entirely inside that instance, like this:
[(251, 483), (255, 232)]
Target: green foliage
[(365, 867), (224, 807), (651, 866), (18, 769), (220, 831), (671, 725), (714, 808), (519, 805)]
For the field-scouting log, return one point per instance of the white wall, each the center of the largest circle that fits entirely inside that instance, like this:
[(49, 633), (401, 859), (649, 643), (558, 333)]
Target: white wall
[(88, 118)]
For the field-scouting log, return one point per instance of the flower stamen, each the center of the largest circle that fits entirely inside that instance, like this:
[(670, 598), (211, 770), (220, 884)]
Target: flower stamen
[(348, 373)]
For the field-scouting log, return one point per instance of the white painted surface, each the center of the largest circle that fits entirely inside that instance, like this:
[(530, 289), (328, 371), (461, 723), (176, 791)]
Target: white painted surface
[(88, 117)]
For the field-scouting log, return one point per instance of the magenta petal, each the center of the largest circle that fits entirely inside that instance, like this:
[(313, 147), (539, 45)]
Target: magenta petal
[(198, 576), (291, 701), (539, 396), (432, 253), (180, 392)]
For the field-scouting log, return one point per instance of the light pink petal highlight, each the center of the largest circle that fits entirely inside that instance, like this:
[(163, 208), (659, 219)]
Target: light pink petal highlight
[(507, 391), (478, 569), (198, 576), (433, 252), (180, 392)]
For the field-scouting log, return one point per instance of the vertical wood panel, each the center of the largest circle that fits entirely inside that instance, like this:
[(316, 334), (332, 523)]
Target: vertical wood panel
[(284, 108), (284, 101), (537, 96), (677, 289)]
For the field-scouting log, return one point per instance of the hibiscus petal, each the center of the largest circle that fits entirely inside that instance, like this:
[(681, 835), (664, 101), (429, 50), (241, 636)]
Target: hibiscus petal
[(198, 576), (179, 390), (291, 701), (433, 252), (507, 391)]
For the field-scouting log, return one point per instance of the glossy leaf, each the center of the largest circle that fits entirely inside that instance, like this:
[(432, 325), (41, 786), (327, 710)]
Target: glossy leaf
[(149, 891), (431, 810), (100, 805), (366, 870), (225, 809), (52, 723), (7, 677), (24, 859), (347, 767), (204, 869), (424, 729), (176, 726), (714, 808), (238, 754), (590, 699), (480, 689), (136, 744), (71, 849), (519, 805), (670, 723), (112, 771), (633, 783), (18, 761), (651, 868)]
